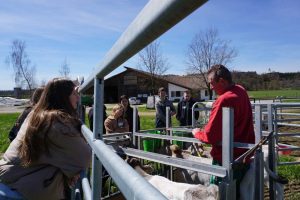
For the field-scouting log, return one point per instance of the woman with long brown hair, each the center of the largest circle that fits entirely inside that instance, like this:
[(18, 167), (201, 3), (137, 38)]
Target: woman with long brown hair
[(49, 150)]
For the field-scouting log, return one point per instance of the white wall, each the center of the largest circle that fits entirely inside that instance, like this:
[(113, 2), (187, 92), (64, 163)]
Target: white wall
[(175, 88), (206, 97)]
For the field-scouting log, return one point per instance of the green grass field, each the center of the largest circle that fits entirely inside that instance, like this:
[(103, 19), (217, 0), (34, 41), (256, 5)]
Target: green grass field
[(6, 123), (271, 94)]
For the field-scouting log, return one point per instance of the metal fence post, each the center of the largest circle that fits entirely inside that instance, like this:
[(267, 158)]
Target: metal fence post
[(134, 127), (228, 186), (259, 172), (98, 132), (271, 147), (169, 132)]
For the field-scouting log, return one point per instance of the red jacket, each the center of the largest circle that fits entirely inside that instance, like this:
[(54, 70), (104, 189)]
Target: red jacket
[(237, 98)]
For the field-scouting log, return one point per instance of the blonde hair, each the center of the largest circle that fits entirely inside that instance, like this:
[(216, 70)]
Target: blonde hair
[(115, 108)]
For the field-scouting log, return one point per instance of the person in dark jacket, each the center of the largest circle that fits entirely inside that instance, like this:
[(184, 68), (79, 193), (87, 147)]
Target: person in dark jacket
[(128, 113), (91, 115), (184, 110), (34, 99), (160, 107)]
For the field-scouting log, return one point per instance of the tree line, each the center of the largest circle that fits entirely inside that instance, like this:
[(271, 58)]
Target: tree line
[(252, 81)]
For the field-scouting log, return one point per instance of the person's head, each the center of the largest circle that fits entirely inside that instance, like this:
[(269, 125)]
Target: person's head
[(162, 93), (36, 95), (124, 101), (187, 95), (117, 111), (59, 94), (219, 78), (57, 103)]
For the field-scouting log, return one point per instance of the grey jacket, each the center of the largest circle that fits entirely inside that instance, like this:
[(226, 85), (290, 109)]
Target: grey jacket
[(69, 154), (160, 107)]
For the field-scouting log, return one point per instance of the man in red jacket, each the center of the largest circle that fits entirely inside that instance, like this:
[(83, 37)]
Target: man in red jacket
[(236, 97)]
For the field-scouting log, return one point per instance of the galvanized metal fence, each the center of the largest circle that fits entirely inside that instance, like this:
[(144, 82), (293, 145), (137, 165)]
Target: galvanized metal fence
[(156, 18)]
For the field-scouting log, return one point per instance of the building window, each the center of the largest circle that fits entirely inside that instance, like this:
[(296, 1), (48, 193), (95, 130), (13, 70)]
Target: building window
[(173, 93), (206, 93), (178, 93)]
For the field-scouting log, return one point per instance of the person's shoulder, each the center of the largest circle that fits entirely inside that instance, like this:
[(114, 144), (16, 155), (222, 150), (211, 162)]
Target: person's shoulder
[(239, 87), (129, 108), (180, 102), (168, 102), (64, 128), (109, 119), (158, 103)]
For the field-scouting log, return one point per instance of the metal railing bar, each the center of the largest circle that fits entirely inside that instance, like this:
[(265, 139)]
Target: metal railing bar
[(288, 120), (86, 188), (115, 134), (288, 124), (288, 134), (186, 139), (289, 149), (135, 187), (155, 19), (175, 162), (167, 137), (292, 114), (288, 163)]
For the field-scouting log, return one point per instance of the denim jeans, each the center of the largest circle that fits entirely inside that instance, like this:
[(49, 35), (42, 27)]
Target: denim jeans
[(8, 194)]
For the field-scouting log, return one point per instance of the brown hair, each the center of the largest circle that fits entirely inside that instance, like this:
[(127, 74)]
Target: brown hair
[(53, 105), (220, 71), (161, 89), (36, 95), (123, 97), (187, 92)]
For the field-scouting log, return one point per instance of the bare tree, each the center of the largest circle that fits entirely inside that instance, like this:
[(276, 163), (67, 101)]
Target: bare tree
[(206, 50), (64, 69), (43, 83), (152, 61), (18, 58)]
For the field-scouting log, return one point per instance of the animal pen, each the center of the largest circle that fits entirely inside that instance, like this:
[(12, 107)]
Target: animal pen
[(155, 19)]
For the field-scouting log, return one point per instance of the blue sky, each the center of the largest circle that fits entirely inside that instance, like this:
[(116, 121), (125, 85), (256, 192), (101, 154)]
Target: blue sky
[(265, 33)]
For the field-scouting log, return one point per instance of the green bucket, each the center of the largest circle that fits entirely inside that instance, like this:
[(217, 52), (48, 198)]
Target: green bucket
[(150, 145)]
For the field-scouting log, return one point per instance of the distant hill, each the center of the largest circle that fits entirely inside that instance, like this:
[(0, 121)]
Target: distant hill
[(267, 81)]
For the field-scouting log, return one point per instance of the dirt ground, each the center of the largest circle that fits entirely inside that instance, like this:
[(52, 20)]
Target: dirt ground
[(11, 109)]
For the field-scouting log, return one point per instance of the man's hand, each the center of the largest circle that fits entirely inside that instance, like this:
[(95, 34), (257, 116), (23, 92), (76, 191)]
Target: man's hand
[(195, 130)]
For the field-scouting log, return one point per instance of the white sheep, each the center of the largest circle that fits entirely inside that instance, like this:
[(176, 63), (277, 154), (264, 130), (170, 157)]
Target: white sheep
[(247, 184), (177, 191), (189, 176)]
